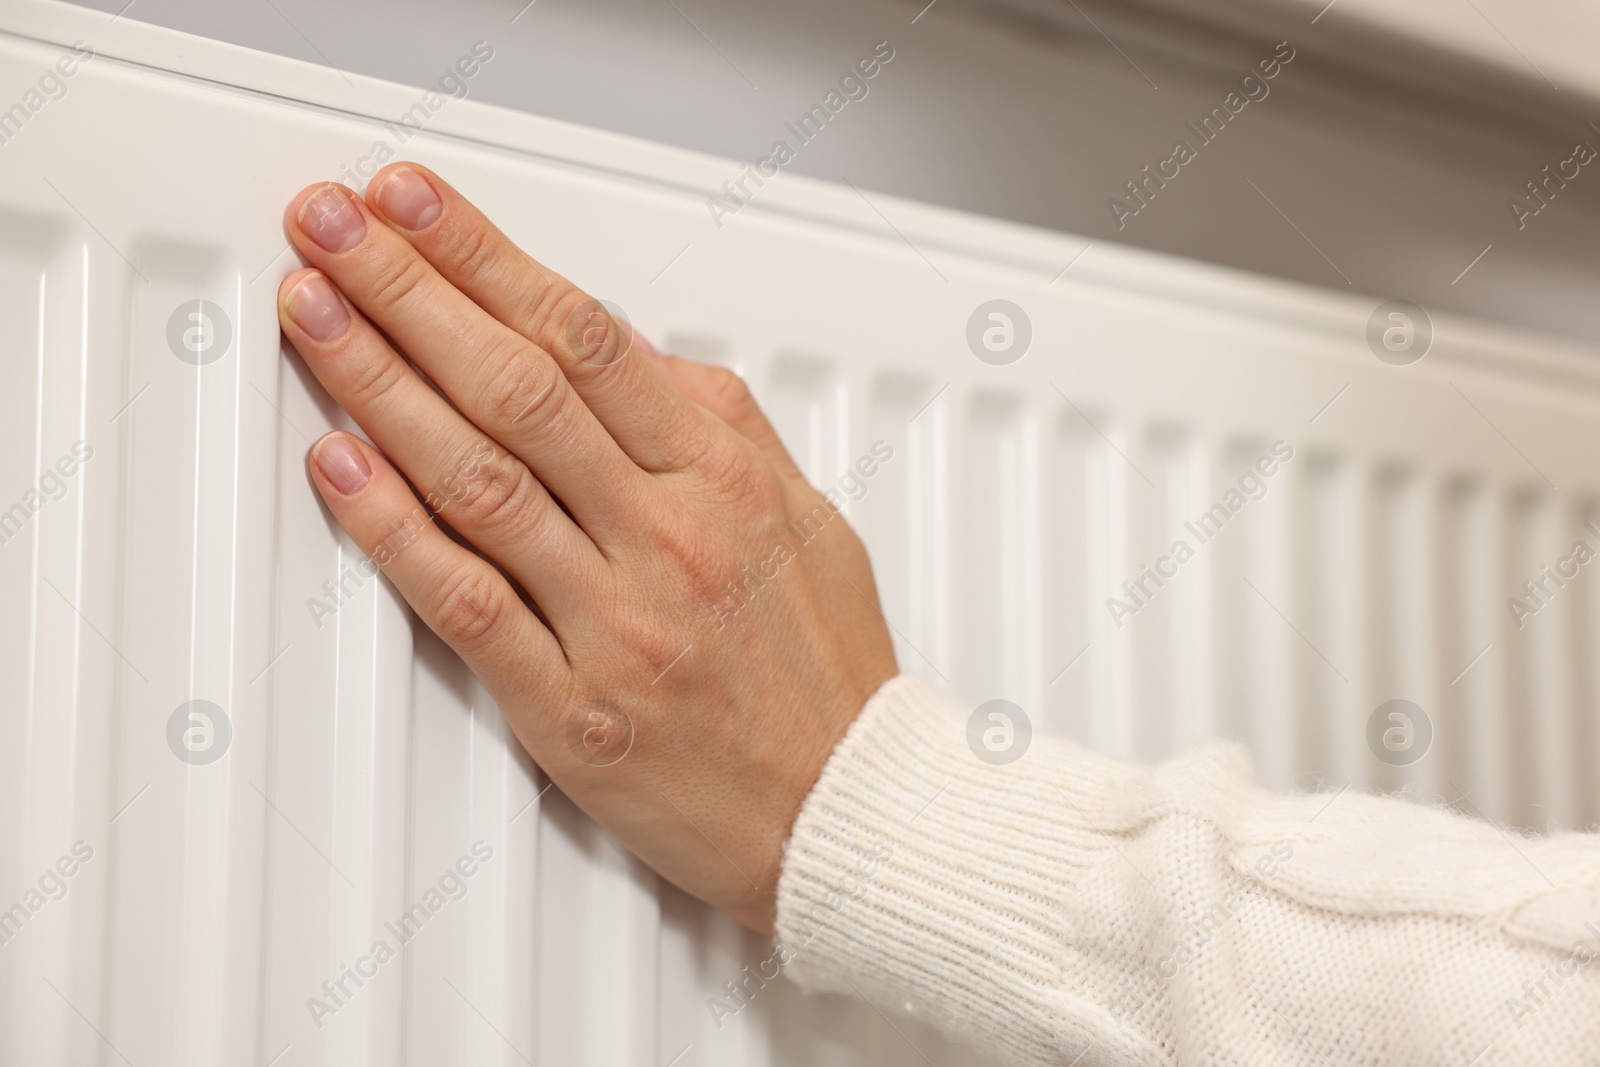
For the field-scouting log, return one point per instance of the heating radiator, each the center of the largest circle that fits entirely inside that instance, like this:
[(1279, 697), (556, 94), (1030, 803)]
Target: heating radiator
[(229, 857)]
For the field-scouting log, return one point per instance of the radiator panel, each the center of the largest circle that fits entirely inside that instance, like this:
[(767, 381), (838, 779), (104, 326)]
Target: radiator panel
[(189, 559)]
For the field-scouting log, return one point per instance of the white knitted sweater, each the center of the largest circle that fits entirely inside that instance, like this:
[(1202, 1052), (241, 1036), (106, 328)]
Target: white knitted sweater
[(1072, 908)]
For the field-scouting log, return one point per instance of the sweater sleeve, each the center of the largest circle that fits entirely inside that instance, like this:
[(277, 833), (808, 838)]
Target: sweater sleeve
[(1070, 908)]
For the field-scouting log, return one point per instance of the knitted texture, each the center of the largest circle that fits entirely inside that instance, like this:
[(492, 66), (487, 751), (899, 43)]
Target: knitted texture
[(1073, 908)]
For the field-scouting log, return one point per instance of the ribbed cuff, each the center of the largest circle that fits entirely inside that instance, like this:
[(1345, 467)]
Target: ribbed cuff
[(921, 876)]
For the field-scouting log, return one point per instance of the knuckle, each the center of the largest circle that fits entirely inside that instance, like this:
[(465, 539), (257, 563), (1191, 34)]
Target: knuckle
[(469, 613), (652, 645), (523, 388), (375, 382), (729, 391), (587, 333), (735, 473), (707, 571), (697, 560), (474, 257), (399, 281), (502, 495)]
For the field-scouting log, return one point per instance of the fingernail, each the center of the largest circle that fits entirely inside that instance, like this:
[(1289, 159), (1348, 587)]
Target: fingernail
[(342, 463), (317, 309), (330, 219), (406, 198)]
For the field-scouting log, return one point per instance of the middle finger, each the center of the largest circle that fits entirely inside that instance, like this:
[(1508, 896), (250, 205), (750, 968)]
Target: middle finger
[(500, 380), (487, 495)]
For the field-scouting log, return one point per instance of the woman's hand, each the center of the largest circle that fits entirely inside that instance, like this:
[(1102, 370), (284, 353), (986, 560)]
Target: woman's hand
[(678, 628)]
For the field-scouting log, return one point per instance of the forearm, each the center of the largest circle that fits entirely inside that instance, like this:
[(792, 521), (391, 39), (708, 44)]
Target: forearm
[(1178, 914)]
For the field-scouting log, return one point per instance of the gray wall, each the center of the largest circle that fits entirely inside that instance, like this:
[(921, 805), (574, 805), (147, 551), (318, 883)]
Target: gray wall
[(1377, 165)]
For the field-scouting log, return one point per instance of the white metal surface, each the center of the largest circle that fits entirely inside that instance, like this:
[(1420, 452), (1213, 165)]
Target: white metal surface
[(176, 563)]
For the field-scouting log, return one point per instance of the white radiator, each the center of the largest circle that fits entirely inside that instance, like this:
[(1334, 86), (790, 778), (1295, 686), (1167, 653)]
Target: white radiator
[(168, 543)]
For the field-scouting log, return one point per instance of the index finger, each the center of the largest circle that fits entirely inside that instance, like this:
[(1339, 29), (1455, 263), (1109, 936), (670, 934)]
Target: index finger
[(632, 399)]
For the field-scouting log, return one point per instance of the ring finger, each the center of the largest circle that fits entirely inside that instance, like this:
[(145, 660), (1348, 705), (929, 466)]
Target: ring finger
[(458, 594), (478, 486), (497, 378)]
